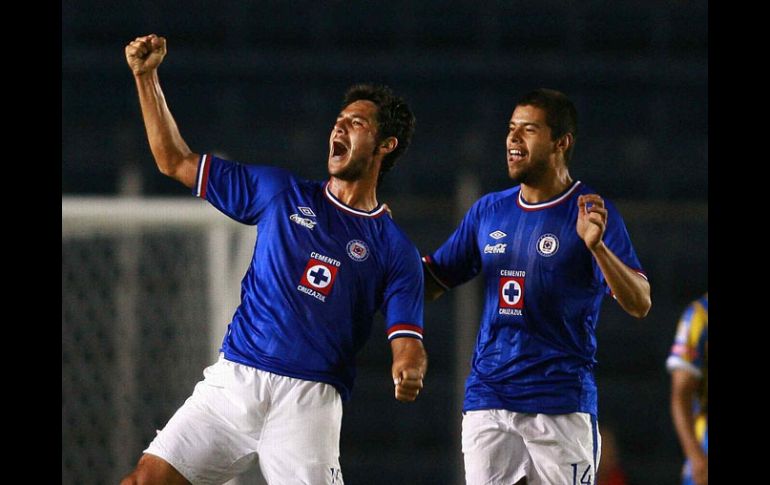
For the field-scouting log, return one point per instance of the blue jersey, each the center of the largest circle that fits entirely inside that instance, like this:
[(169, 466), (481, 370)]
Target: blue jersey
[(536, 346), (319, 273)]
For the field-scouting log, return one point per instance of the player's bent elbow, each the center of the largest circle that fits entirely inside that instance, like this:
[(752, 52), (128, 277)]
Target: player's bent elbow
[(640, 314), (167, 163), (166, 169), (182, 170), (638, 302), (641, 309)]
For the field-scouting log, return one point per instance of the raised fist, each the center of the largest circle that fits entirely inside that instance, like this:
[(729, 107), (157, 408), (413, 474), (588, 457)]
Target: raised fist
[(145, 53)]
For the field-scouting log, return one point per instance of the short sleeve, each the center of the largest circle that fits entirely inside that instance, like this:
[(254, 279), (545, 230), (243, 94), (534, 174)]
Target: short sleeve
[(404, 293), (239, 190)]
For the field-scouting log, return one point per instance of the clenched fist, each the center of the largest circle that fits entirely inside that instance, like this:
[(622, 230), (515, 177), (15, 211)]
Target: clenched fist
[(408, 384), (145, 53)]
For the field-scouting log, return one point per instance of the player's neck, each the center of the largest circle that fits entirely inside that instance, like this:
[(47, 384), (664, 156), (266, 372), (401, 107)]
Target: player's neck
[(358, 194), (546, 188)]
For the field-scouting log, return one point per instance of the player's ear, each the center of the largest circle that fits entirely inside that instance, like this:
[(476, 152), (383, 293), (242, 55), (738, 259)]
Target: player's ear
[(565, 142), (388, 145)]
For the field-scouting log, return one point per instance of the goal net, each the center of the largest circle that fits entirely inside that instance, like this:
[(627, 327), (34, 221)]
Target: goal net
[(148, 287)]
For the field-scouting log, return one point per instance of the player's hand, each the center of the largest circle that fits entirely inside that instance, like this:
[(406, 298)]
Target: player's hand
[(591, 220), (145, 53), (408, 384)]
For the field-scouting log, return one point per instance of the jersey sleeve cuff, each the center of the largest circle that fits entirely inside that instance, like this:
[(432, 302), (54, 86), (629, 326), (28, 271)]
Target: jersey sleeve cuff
[(427, 261), (674, 362), (404, 330), (202, 177)]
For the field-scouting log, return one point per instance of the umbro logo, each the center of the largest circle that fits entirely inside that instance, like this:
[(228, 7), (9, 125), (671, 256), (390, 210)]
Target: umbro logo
[(497, 234), (306, 211)]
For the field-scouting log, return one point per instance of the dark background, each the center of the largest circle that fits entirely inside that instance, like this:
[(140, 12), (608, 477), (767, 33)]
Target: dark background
[(261, 82)]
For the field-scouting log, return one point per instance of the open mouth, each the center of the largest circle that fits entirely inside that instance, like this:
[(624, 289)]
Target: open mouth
[(516, 155), (339, 149)]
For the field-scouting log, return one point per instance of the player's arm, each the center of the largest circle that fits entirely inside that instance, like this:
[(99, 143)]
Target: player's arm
[(457, 260), (684, 386), (631, 290), (172, 155), (433, 289), (409, 365)]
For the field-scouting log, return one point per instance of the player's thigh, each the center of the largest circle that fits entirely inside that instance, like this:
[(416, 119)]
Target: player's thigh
[(300, 442), (493, 452), (213, 436), (565, 448)]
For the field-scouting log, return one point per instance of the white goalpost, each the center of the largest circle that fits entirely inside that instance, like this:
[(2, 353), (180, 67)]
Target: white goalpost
[(228, 244), (146, 283)]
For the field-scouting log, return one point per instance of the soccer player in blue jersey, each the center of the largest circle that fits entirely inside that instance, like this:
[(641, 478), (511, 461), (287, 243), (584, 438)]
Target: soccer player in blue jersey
[(549, 249), (688, 363), (327, 258)]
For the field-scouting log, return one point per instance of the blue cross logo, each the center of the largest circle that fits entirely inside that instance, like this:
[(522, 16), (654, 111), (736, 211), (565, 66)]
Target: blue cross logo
[(319, 276), (512, 292)]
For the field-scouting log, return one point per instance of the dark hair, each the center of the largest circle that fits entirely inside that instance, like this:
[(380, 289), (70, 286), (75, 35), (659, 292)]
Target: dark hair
[(560, 113), (394, 118)]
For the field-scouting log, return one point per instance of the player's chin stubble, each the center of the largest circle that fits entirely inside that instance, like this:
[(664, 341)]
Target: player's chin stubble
[(354, 170)]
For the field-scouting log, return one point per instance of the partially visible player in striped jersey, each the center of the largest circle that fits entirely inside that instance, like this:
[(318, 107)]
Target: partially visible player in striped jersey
[(327, 258), (688, 364), (548, 249)]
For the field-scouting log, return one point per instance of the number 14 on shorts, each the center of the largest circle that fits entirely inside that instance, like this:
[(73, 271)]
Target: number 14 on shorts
[(585, 478)]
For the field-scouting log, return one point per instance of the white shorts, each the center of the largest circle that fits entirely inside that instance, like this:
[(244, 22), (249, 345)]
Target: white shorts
[(238, 415), (502, 447)]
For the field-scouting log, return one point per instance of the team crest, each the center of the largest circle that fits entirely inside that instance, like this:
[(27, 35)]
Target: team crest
[(357, 250), (547, 245)]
